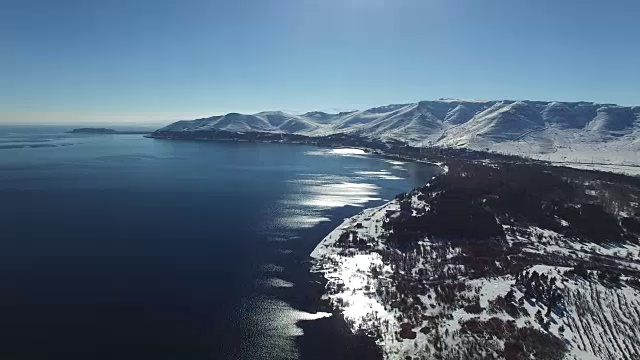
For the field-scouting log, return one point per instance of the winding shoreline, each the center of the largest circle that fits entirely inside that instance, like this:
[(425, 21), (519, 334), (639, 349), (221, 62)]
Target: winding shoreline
[(324, 145)]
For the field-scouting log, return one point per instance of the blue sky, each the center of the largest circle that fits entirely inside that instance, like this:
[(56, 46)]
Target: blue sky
[(160, 60)]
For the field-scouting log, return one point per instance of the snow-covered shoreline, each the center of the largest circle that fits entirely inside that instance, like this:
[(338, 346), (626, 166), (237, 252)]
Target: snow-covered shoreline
[(351, 283), (325, 246)]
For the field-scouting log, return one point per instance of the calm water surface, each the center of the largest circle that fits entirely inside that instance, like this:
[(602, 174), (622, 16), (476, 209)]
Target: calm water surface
[(121, 247)]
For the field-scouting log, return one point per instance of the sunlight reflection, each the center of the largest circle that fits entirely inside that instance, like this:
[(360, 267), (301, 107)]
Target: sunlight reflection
[(274, 324), (337, 152)]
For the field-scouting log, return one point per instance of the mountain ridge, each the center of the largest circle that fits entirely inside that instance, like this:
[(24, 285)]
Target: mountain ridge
[(551, 130)]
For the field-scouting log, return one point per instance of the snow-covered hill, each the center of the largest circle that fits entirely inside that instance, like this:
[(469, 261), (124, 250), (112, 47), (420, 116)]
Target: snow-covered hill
[(494, 261), (267, 121), (557, 131)]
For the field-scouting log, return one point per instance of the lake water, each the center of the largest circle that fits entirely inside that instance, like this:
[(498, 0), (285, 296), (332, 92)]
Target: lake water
[(122, 247)]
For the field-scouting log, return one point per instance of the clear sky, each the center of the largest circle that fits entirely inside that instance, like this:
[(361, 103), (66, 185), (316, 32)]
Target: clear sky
[(161, 60)]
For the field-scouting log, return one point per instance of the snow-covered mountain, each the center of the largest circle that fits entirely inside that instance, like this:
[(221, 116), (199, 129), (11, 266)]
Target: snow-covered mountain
[(557, 131)]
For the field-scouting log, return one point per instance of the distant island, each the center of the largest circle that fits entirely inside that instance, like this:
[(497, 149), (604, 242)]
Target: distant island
[(105, 131)]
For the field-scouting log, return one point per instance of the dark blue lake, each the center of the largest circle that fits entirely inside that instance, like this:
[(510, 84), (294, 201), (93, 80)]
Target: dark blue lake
[(122, 247)]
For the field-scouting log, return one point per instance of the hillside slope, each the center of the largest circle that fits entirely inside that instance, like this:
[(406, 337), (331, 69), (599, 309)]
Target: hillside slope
[(494, 261)]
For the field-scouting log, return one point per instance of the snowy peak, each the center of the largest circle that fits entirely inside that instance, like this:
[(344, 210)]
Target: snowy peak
[(241, 122), (320, 117), (569, 115), (612, 118), (505, 121), (362, 119), (459, 114)]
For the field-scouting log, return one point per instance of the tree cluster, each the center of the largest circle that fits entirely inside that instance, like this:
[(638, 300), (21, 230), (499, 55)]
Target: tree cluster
[(540, 287)]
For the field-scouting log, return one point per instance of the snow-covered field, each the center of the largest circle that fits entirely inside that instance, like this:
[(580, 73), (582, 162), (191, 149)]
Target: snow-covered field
[(578, 149)]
